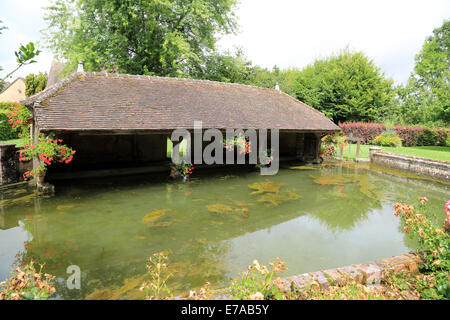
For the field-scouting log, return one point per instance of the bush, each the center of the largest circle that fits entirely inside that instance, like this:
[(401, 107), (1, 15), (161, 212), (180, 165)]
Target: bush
[(433, 244), (388, 139), (27, 283), (421, 136), (410, 136), (365, 130), (6, 132), (5, 106)]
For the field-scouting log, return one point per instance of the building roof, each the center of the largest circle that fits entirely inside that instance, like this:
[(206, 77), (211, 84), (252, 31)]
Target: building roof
[(104, 101)]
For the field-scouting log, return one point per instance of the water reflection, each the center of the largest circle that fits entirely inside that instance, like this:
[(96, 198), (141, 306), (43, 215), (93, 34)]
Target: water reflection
[(213, 226)]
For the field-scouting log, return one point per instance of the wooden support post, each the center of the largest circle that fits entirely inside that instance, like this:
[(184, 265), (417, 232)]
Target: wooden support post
[(341, 154), (357, 150)]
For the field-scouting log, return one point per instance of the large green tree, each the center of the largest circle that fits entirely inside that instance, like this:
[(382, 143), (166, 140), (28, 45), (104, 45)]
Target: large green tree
[(35, 83), (426, 96), (160, 37), (346, 87), (225, 67)]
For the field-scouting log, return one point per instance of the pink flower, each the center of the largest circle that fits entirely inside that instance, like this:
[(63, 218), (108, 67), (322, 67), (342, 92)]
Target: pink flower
[(447, 209)]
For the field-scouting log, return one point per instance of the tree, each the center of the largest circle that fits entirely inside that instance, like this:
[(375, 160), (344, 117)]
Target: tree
[(155, 37), (426, 96), (345, 87), (2, 83), (2, 27), (226, 67), (35, 83), (24, 56)]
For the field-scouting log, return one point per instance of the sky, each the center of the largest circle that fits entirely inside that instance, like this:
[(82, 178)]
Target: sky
[(286, 33)]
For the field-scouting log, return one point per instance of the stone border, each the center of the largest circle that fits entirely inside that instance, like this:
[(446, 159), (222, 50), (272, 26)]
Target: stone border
[(369, 273), (434, 169)]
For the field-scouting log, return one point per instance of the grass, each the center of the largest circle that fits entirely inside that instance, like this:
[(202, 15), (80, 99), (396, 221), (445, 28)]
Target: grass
[(431, 152), (17, 142)]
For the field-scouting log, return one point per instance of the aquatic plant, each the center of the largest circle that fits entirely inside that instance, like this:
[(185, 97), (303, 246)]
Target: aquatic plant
[(152, 216), (302, 168), (219, 208), (276, 198), (365, 187), (267, 186), (157, 269), (27, 283)]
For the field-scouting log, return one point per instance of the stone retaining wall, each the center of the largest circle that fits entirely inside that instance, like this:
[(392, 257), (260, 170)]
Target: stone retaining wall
[(369, 273), (8, 164), (11, 170), (435, 169)]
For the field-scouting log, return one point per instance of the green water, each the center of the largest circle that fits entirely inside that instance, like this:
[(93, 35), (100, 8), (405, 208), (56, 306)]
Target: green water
[(331, 216)]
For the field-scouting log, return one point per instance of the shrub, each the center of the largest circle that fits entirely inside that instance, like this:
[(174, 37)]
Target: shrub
[(388, 139), (433, 244), (26, 283), (367, 131), (6, 132), (260, 283), (410, 136), (19, 118), (421, 136)]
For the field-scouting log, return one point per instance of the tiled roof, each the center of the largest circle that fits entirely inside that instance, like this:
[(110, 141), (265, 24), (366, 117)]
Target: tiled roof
[(105, 101)]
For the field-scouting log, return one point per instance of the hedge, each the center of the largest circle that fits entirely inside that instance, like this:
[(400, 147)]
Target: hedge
[(6, 132), (411, 136), (365, 130)]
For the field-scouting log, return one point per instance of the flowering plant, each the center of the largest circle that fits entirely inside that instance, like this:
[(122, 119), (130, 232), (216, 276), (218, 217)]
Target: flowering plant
[(433, 247), (26, 283), (330, 142), (49, 151), (241, 141), (259, 283), (267, 155), (19, 118), (184, 170), (157, 268), (388, 138)]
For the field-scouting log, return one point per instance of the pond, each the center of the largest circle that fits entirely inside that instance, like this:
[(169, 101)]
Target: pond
[(313, 217)]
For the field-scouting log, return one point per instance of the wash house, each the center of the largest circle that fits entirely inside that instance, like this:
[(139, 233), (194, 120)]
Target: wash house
[(121, 123)]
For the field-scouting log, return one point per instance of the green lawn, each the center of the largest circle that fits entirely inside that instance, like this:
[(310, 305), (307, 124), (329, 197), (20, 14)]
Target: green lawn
[(431, 152), (17, 142)]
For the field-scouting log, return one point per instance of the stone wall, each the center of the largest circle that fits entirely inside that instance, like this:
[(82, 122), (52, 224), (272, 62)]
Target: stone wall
[(435, 169), (368, 273), (8, 164), (11, 169)]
